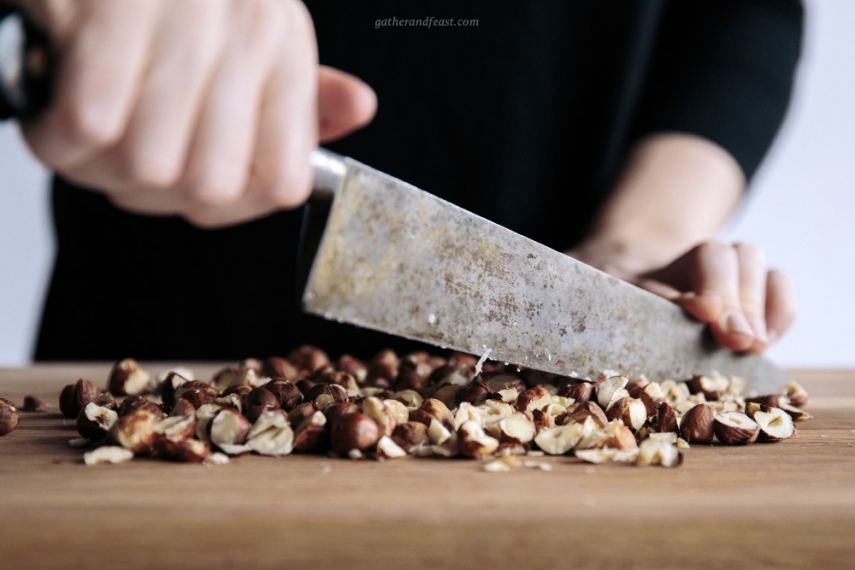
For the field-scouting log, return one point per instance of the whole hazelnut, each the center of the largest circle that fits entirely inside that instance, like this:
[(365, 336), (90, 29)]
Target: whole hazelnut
[(251, 364), (9, 417), (33, 404), (409, 435), (353, 366), (209, 393), (697, 424), (280, 369), (286, 393), (383, 368), (258, 401), (337, 409), (413, 372), (476, 392), (354, 431), (337, 393), (75, 396), (128, 377), (309, 358), (305, 385)]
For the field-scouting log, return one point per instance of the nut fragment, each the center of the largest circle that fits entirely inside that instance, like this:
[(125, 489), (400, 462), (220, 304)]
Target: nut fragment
[(354, 431), (388, 449), (185, 450), (474, 393), (95, 421), (532, 399), (607, 455), (135, 431), (107, 454), (666, 418), (559, 440), (75, 396), (797, 395), (516, 428), (9, 417), (131, 403), (697, 424), (228, 427), (473, 442), (655, 451), (311, 434), (579, 392), (588, 409), (775, 424), (176, 428), (275, 441), (611, 389), (631, 411), (33, 404), (735, 428), (128, 377), (375, 409), (712, 387), (797, 414)]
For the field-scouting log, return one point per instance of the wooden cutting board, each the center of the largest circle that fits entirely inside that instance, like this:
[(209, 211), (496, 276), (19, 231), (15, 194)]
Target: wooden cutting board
[(785, 505)]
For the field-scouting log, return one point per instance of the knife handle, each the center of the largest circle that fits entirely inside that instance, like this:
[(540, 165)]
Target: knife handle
[(26, 66)]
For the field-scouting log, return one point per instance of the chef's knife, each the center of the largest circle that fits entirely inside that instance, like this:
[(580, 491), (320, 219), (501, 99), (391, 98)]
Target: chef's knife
[(380, 253)]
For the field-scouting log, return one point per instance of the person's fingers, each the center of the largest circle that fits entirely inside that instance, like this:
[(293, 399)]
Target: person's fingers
[(752, 292), (288, 129), (345, 103), (781, 304), (218, 165), (96, 86), (152, 153)]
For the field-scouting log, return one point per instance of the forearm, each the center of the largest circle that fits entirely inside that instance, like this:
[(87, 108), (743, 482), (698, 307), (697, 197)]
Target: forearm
[(676, 190)]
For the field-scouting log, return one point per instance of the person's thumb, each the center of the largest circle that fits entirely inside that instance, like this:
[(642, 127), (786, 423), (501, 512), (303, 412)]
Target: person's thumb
[(345, 103)]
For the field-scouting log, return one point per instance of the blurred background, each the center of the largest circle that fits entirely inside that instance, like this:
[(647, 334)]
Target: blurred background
[(801, 208)]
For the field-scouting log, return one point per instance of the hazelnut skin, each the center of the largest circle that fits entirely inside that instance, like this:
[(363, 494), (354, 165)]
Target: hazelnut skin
[(354, 431)]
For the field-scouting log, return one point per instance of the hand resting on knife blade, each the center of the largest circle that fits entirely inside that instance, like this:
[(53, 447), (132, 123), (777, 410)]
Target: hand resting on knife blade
[(658, 230)]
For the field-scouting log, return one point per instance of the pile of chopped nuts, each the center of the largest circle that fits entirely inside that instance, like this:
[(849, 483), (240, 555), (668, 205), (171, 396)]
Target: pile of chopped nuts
[(417, 405)]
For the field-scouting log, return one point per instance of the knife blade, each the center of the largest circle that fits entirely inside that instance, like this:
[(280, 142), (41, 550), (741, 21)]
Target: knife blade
[(382, 254)]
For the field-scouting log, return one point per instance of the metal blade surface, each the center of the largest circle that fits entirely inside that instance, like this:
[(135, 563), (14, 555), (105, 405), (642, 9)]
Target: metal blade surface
[(399, 260)]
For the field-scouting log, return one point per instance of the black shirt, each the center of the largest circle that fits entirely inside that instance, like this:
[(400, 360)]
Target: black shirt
[(524, 119)]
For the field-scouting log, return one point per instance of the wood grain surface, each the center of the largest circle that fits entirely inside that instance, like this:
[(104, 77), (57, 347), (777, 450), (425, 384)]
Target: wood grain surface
[(785, 505)]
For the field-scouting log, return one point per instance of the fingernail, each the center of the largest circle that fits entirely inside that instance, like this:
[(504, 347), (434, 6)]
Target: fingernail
[(761, 334), (735, 323)]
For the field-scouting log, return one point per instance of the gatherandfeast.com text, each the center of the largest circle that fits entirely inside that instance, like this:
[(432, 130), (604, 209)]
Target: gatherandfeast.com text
[(427, 22)]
